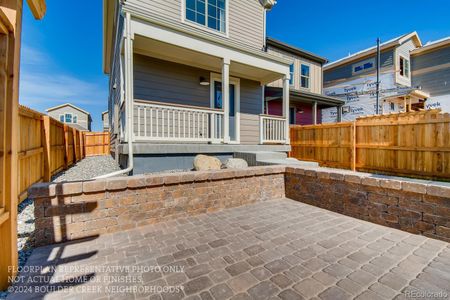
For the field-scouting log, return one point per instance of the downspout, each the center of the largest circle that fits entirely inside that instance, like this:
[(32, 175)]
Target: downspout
[(128, 98)]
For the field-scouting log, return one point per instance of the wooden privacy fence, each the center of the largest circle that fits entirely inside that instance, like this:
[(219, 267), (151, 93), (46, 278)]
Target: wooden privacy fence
[(47, 147), (415, 144), (96, 143)]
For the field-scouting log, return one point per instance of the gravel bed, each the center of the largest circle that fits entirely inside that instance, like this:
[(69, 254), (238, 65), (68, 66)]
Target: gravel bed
[(88, 168)]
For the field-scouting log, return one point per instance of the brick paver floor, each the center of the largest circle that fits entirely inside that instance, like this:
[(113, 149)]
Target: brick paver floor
[(279, 249)]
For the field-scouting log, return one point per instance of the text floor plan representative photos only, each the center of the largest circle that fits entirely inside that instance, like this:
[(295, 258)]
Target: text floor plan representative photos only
[(188, 77)]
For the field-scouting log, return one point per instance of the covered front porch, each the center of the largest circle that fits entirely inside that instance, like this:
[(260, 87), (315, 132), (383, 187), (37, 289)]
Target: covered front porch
[(180, 89)]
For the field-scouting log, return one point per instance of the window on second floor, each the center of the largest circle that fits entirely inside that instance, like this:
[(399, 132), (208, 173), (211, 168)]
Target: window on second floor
[(75, 119), (404, 67), (304, 76), (61, 118), (291, 72), (68, 118), (209, 13)]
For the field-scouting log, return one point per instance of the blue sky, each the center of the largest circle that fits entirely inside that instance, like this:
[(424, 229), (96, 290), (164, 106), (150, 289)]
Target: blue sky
[(62, 54)]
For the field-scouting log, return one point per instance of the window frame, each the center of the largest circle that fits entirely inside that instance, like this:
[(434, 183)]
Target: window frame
[(73, 119), (304, 76), (292, 73), (408, 73), (65, 118), (362, 63), (205, 27)]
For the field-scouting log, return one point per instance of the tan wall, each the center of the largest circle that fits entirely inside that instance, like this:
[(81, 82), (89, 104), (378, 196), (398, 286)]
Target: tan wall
[(246, 18), (315, 71)]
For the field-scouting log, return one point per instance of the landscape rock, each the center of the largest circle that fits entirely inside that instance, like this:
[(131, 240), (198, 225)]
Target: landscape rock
[(205, 163), (236, 163)]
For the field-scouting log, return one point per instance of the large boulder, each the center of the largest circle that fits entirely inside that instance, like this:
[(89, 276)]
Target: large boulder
[(236, 163), (205, 163)]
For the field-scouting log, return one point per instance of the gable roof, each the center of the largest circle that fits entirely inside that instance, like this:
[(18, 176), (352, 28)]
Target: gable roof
[(445, 42), (372, 50), (67, 104), (295, 50)]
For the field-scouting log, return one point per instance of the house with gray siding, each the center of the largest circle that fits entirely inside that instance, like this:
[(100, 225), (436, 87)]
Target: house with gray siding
[(430, 67), (354, 80), (306, 98), (71, 115), (188, 77)]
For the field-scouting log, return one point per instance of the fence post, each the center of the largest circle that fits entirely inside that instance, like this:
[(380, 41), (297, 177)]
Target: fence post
[(80, 135), (47, 147), (74, 134), (66, 147), (354, 146)]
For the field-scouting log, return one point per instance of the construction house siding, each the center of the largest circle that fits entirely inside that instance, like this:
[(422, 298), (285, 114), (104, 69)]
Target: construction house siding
[(431, 72)]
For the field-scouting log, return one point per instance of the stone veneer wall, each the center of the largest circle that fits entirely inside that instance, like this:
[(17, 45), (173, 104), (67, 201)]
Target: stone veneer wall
[(416, 207), (74, 210)]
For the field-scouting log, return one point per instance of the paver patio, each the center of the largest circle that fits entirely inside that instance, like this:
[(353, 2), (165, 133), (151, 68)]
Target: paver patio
[(280, 249)]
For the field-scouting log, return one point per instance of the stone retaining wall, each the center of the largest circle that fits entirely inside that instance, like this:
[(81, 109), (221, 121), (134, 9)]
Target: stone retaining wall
[(67, 211), (416, 207)]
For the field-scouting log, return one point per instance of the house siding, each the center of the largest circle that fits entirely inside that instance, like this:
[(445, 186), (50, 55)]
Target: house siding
[(83, 119), (403, 50), (431, 71), (162, 81), (315, 71), (345, 71), (246, 18)]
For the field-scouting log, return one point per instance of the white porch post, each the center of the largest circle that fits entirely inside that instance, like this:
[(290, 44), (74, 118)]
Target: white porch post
[(286, 91), (314, 112), (129, 89), (226, 99)]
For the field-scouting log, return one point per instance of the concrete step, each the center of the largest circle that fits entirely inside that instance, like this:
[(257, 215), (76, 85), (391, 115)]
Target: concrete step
[(264, 158), (252, 157)]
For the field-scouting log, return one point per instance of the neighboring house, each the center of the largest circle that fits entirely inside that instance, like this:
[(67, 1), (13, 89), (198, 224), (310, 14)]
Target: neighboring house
[(187, 77), (71, 115), (353, 79), (430, 66), (105, 121), (306, 88)]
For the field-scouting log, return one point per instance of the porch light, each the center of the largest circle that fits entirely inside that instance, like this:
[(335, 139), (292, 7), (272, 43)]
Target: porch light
[(203, 81)]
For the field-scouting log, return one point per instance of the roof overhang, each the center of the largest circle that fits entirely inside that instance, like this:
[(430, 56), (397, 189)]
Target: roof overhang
[(304, 96), (296, 51), (412, 94), (38, 8), (67, 104), (372, 50), (108, 28), (443, 43)]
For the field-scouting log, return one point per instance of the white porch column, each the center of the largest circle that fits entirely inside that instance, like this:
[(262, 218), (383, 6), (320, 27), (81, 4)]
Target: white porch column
[(314, 113), (128, 78), (226, 99), (286, 105)]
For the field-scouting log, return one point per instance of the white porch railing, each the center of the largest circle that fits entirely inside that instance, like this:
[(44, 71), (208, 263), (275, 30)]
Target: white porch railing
[(272, 129), (156, 121)]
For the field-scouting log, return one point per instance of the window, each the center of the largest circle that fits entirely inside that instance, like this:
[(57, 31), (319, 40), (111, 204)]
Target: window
[(304, 77), (61, 118), (404, 67), (68, 118), (75, 119), (363, 66), (209, 13), (292, 116), (291, 72)]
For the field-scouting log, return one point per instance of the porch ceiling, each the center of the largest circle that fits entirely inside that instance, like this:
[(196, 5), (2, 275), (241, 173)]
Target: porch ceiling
[(165, 51)]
